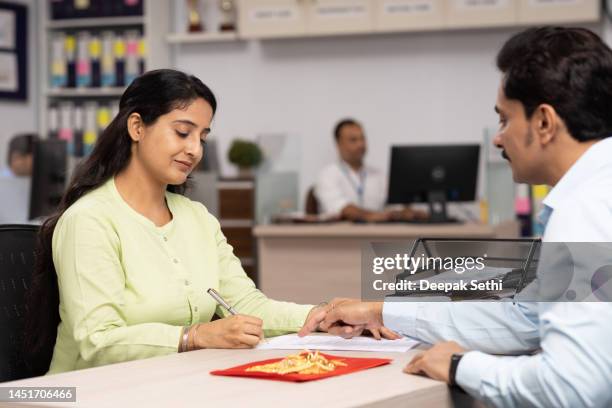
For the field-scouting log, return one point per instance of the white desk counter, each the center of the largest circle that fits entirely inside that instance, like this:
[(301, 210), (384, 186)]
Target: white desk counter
[(183, 380), (314, 263)]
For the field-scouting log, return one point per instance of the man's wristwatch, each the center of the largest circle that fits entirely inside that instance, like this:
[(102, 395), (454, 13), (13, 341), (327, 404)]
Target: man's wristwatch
[(452, 372)]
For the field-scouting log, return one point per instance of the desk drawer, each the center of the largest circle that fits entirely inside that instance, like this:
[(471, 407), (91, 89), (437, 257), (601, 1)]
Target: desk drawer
[(236, 204)]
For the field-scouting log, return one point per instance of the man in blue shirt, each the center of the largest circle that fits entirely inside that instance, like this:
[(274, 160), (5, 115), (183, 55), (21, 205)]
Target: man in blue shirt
[(555, 126)]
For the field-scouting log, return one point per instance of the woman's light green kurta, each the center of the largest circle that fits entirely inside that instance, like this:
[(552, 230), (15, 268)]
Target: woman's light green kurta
[(127, 287)]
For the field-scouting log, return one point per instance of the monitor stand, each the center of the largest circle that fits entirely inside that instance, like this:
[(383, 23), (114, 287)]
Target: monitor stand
[(437, 208)]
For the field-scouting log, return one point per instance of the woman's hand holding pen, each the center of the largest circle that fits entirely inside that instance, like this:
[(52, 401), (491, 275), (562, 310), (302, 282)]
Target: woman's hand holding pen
[(237, 332)]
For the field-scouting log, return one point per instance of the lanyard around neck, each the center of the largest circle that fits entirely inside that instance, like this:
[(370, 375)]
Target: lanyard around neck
[(359, 188)]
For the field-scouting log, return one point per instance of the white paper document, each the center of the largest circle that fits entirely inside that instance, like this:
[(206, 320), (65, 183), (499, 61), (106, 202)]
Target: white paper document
[(325, 342)]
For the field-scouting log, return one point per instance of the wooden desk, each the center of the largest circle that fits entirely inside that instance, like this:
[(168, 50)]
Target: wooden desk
[(183, 380), (315, 263)]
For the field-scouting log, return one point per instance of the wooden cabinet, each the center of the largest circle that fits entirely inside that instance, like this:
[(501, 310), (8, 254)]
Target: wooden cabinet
[(290, 18), (271, 18), (236, 200), (480, 13), (287, 18), (406, 15), (237, 217), (338, 16), (557, 11)]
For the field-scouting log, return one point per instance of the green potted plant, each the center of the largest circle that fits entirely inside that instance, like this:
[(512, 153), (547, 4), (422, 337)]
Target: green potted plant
[(246, 155)]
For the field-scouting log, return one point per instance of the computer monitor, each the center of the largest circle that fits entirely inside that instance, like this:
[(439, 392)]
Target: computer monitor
[(204, 189), (210, 160), (48, 177), (433, 174), (15, 192)]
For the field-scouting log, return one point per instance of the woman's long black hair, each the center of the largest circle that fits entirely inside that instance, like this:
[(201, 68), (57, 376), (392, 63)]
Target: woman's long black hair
[(151, 95)]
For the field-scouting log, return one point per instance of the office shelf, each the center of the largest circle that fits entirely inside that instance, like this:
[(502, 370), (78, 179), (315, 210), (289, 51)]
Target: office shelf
[(86, 92), (154, 25), (196, 38), (95, 22), (229, 223)]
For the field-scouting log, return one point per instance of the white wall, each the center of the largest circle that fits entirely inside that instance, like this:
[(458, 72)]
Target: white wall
[(405, 88), (17, 117)]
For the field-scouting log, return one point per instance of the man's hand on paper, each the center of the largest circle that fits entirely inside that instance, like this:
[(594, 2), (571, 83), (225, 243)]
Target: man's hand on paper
[(349, 318), (317, 315)]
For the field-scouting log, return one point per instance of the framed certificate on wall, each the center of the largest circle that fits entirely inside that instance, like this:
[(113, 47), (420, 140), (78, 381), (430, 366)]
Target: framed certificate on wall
[(13, 51)]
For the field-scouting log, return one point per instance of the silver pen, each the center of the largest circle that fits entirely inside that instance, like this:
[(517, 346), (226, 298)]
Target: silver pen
[(215, 295)]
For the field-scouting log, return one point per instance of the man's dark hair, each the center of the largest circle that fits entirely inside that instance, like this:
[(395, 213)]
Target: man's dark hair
[(343, 123), (567, 68), (22, 144)]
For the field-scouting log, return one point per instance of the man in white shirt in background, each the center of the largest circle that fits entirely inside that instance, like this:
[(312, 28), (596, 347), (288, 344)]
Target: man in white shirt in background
[(555, 128), (351, 190)]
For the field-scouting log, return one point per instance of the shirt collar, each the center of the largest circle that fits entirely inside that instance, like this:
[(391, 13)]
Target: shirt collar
[(544, 216), (596, 157), (344, 166)]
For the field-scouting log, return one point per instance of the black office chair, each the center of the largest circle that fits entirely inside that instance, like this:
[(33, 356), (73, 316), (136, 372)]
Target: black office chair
[(17, 245)]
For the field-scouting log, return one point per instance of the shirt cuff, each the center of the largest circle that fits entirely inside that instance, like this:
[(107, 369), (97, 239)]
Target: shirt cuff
[(472, 369), (172, 334), (400, 316)]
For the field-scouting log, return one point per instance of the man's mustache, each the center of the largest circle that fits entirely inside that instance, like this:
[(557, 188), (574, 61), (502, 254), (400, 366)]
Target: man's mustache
[(505, 156)]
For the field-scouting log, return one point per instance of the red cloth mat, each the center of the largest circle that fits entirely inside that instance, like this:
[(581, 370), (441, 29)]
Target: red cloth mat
[(353, 364)]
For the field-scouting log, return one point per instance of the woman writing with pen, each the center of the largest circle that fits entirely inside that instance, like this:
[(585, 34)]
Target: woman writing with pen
[(124, 265)]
